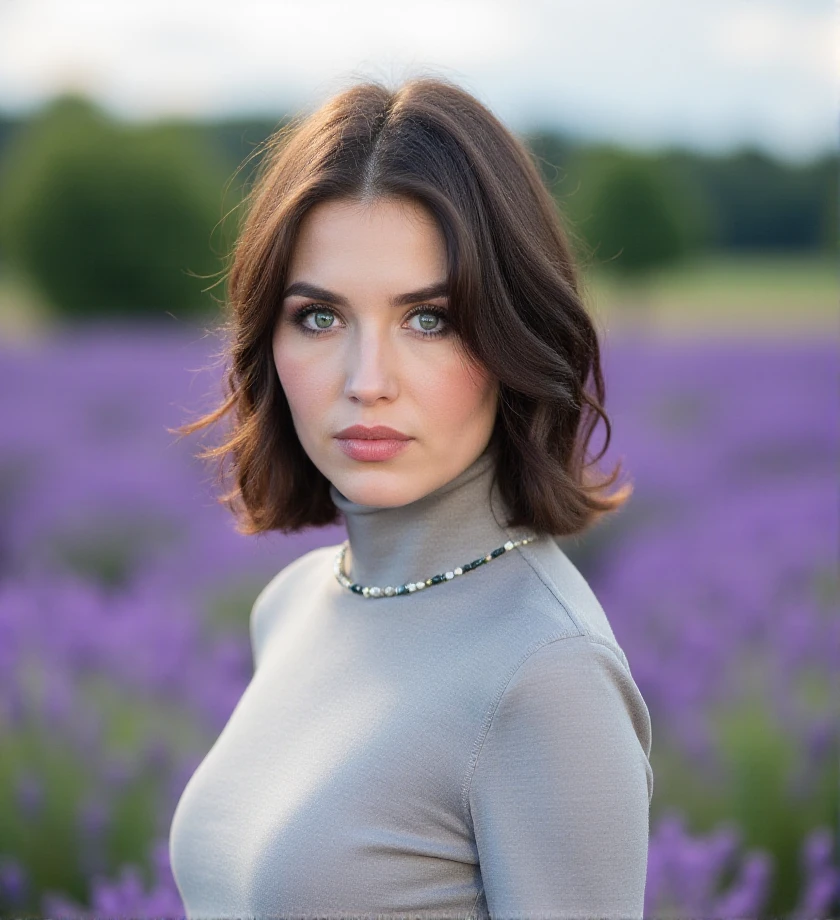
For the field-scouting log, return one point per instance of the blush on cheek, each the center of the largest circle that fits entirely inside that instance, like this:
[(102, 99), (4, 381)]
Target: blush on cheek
[(301, 382), (305, 391), (294, 366), (459, 393)]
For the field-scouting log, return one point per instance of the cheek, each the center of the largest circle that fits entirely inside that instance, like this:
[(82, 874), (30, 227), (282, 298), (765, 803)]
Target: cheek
[(457, 394), (302, 382)]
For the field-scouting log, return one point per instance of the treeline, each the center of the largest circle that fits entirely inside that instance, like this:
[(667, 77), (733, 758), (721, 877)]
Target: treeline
[(744, 201), (107, 217)]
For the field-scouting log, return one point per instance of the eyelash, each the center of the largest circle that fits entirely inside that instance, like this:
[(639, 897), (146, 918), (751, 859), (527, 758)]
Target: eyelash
[(300, 314)]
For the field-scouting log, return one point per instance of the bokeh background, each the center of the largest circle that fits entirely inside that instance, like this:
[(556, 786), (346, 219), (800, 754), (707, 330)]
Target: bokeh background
[(690, 148)]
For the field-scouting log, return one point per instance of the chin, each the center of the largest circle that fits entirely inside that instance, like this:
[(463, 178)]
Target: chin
[(379, 487), (376, 496)]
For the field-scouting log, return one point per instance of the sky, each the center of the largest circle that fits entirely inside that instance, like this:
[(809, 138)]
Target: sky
[(712, 75)]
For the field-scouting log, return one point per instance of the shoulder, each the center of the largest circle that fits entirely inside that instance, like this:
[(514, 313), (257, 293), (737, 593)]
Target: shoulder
[(555, 601), (566, 591), (560, 785), (578, 678), (570, 698), (563, 661), (277, 598)]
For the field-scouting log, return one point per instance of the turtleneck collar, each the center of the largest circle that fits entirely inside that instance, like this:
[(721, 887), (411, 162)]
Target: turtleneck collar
[(456, 523)]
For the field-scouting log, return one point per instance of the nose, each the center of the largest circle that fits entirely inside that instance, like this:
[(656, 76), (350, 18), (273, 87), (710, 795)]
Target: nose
[(370, 364)]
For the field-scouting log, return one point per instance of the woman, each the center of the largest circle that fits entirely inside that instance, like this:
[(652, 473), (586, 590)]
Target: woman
[(440, 722)]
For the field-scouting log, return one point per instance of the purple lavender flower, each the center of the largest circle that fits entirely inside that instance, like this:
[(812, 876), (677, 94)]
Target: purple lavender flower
[(14, 881), (720, 578), (685, 873), (820, 895)]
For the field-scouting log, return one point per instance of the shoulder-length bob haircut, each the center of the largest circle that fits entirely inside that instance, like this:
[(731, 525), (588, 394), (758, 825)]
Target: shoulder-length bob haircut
[(514, 299)]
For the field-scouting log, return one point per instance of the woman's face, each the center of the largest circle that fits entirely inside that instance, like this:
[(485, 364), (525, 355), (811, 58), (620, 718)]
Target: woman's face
[(369, 355)]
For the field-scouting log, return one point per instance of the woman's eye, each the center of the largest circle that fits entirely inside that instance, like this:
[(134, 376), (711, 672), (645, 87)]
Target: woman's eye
[(321, 317), (324, 319), (429, 322)]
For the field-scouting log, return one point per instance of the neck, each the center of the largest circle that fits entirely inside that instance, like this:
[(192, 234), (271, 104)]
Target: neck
[(456, 523)]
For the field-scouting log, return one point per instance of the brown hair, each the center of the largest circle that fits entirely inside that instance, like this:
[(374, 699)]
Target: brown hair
[(514, 292)]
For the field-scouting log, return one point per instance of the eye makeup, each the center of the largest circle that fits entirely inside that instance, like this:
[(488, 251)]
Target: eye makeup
[(298, 316)]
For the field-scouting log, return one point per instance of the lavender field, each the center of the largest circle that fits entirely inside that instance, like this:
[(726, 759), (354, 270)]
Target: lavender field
[(125, 593)]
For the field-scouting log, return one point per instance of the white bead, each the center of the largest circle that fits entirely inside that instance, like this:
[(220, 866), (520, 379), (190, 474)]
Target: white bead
[(389, 590), (459, 571), (376, 591), (450, 576), (509, 545), (411, 587), (421, 585)]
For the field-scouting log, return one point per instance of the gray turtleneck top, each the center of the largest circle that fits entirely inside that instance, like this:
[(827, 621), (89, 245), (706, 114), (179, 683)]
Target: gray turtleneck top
[(475, 749)]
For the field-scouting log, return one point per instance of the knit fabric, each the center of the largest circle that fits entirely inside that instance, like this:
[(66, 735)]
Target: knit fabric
[(476, 749)]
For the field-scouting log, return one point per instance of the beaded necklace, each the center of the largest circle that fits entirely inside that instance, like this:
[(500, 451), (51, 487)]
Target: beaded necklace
[(412, 586)]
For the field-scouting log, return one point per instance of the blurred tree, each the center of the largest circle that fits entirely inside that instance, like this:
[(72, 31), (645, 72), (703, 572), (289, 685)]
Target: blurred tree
[(111, 219), (554, 154), (241, 138), (635, 214), (761, 204), (551, 151)]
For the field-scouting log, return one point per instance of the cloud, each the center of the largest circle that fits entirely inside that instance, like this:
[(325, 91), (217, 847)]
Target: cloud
[(709, 74)]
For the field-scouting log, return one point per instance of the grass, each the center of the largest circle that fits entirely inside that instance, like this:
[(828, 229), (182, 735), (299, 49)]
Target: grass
[(723, 294), (24, 313)]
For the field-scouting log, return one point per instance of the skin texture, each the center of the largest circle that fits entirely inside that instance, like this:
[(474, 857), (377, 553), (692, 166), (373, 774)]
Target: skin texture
[(371, 364)]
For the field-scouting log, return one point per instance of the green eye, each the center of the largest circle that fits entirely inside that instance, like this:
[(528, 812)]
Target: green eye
[(430, 318)]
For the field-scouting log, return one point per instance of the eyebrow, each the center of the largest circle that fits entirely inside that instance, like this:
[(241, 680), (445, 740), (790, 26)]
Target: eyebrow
[(304, 289)]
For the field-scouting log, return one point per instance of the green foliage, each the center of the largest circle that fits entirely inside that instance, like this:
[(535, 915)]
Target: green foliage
[(228, 608), (550, 152), (45, 842), (753, 785), (108, 550), (635, 214), (60, 854), (109, 218), (759, 203)]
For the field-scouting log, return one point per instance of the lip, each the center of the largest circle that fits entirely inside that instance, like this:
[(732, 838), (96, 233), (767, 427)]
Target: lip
[(373, 449), (377, 432)]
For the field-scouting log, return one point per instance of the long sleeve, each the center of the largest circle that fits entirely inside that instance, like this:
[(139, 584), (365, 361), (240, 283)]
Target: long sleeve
[(561, 788)]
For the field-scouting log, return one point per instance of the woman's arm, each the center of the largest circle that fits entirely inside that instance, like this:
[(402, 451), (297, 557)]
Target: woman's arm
[(560, 793)]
